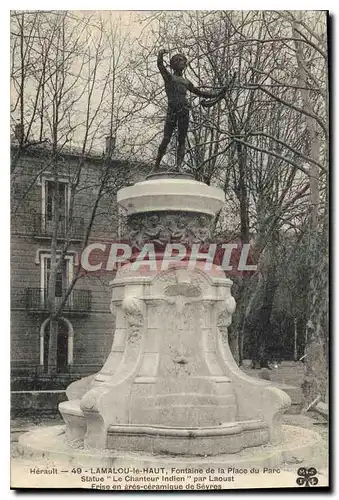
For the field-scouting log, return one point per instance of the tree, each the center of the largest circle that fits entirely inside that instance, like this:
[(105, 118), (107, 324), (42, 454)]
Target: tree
[(66, 69), (266, 144)]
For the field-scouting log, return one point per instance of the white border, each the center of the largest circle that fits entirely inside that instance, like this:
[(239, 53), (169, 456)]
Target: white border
[(4, 181)]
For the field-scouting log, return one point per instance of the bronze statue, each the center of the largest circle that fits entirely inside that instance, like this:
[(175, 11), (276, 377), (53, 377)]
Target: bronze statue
[(176, 87)]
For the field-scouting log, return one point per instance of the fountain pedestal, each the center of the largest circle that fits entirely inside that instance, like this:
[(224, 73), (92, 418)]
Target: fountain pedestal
[(170, 384)]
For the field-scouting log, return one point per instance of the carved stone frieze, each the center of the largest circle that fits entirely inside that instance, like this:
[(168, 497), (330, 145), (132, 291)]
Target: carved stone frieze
[(161, 228)]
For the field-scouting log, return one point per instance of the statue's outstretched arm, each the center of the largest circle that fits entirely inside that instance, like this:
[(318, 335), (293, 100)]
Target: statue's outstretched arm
[(160, 62), (204, 93), (214, 96)]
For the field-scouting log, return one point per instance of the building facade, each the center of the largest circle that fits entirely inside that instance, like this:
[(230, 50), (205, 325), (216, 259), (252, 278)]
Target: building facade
[(61, 203)]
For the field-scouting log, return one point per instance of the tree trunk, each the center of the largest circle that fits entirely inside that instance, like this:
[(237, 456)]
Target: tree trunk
[(315, 361), (53, 347), (236, 337), (51, 290), (316, 327), (242, 187)]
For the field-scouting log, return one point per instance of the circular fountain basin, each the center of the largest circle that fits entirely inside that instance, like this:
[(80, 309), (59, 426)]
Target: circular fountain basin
[(49, 443)]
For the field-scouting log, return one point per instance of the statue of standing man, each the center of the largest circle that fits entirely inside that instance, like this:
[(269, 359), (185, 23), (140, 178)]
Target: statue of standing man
[(176, 86)]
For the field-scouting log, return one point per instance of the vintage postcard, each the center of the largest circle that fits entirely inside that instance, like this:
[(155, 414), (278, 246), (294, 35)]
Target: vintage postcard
[(169, 249)]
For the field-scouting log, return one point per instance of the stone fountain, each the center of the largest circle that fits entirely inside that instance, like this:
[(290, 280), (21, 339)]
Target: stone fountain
[(170, 388)]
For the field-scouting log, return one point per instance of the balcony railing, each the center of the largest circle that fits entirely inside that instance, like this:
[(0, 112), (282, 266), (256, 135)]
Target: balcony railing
[(78, 300), (68, 228)]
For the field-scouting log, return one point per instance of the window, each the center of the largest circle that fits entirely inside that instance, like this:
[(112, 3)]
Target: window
[(61, 202), (54, 206), (63, 277)]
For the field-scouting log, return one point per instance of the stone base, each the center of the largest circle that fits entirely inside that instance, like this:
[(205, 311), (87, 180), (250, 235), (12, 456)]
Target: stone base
[(229, 437), (50, 443), (203, 441)]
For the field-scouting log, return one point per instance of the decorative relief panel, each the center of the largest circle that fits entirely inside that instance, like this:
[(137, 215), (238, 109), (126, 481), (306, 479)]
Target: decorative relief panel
[(161, 228)]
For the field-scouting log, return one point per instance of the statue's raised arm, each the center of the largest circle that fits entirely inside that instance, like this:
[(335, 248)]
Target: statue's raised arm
[(160, 62)]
